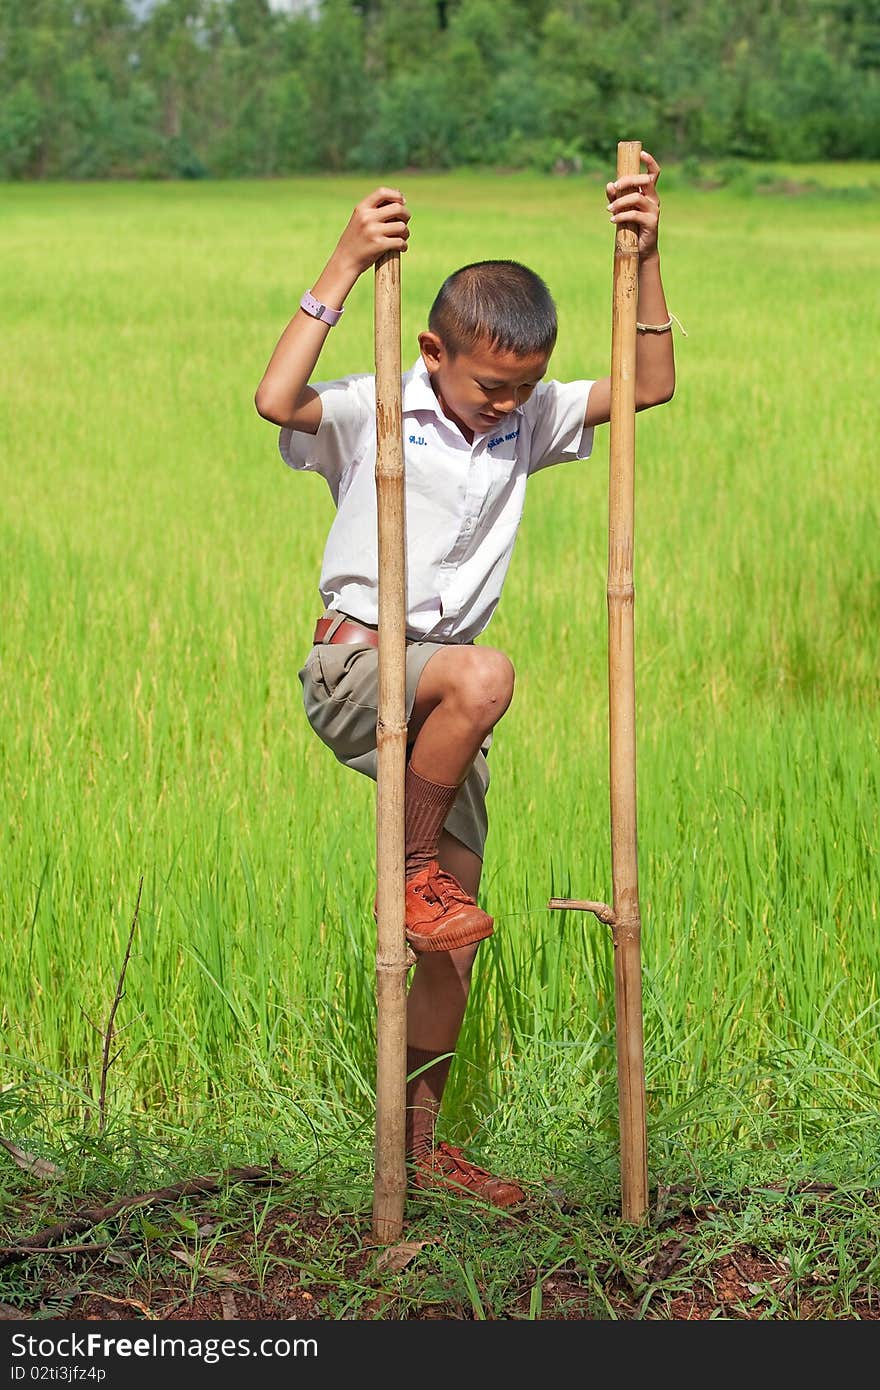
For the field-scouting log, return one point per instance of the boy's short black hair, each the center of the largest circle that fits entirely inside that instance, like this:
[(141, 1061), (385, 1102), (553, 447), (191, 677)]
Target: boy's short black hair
[(501, 303)]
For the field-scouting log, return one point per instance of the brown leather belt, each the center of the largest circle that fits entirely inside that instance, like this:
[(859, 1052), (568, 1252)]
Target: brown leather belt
[(347, 632)]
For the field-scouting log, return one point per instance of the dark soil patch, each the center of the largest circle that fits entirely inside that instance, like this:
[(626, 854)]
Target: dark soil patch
[(306, 1264)]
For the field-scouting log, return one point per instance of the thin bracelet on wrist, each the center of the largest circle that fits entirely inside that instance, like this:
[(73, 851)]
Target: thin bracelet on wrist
[(660, 327)]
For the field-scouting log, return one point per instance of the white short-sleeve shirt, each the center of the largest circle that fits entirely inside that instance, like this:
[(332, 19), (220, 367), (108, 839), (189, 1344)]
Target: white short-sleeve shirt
[(464, 501)]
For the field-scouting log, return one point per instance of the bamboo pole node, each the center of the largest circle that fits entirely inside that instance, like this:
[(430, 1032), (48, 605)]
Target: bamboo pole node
[(630, 936), (391, 727), (390, 966), (604, 913)]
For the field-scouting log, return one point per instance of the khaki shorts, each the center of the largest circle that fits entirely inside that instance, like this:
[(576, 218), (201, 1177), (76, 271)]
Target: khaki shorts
[(341, 697)]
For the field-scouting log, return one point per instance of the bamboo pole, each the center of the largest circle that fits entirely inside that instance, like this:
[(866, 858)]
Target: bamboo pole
[(624, 916), (627, 928), (389, 1187)]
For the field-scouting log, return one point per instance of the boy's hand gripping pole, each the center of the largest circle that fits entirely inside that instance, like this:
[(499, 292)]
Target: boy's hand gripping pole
[(392, 952), (624, 917)]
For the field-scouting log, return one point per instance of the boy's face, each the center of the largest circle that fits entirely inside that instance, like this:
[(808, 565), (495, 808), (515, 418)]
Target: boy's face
[(477, 388)]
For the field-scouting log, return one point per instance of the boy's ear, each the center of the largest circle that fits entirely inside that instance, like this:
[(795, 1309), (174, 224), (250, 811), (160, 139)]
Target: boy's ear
[(432, 350)]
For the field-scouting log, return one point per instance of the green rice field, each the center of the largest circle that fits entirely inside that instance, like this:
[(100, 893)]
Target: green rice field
[(159, 587)]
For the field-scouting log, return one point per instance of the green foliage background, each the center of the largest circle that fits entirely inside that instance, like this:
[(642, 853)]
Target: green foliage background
[(158, 592), (189, 88)]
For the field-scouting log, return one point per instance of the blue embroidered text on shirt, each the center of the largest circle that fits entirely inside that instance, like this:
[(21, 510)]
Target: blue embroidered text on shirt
[(502, 439), (420, 439)]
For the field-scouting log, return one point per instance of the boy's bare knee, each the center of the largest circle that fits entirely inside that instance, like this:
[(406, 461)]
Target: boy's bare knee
[(484, 685)]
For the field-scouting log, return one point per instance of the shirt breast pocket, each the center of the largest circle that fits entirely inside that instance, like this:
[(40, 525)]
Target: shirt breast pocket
[(502, 479)]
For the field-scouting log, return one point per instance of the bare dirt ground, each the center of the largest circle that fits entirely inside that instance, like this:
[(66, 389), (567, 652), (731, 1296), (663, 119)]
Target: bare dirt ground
[(304, 1264)]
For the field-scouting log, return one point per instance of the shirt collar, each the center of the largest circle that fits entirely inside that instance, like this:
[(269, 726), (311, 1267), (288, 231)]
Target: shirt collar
[(418, 394)]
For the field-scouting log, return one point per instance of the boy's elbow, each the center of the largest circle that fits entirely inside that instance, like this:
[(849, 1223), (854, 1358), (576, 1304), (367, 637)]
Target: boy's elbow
[(265, 406), (659, 395)]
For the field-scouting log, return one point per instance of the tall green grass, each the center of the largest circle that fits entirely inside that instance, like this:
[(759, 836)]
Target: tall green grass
[(159, 586)]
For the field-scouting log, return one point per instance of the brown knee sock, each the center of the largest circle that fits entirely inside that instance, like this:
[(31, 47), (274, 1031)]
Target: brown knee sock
[(423, 1096), (427, 806)]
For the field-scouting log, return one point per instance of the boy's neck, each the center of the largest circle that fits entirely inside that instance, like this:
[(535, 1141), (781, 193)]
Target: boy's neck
[(451, 415)]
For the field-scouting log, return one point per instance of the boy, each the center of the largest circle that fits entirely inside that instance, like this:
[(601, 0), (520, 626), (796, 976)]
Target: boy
[(478, 419)]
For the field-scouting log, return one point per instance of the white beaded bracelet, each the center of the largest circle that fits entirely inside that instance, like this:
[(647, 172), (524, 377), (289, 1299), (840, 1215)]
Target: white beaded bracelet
[(660, 327)]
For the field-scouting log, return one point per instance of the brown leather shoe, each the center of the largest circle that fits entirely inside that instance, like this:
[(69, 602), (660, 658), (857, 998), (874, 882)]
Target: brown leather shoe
[(446, 1167), (440, 915)]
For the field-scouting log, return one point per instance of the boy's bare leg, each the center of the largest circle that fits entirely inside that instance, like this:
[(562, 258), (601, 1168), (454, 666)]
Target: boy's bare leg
[(440, 983), (462, 693), (447, 740), (435, 1009)]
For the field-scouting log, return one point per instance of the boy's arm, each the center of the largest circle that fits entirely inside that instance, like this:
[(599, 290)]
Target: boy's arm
[(378, 224), (633, 200)]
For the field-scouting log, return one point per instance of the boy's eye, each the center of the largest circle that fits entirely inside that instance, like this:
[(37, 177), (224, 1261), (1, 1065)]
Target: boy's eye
[(489, 388)]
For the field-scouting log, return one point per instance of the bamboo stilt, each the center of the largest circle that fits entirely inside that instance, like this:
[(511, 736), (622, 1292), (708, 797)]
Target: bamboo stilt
[(389, 1188), (627, 928), (624, 917)]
